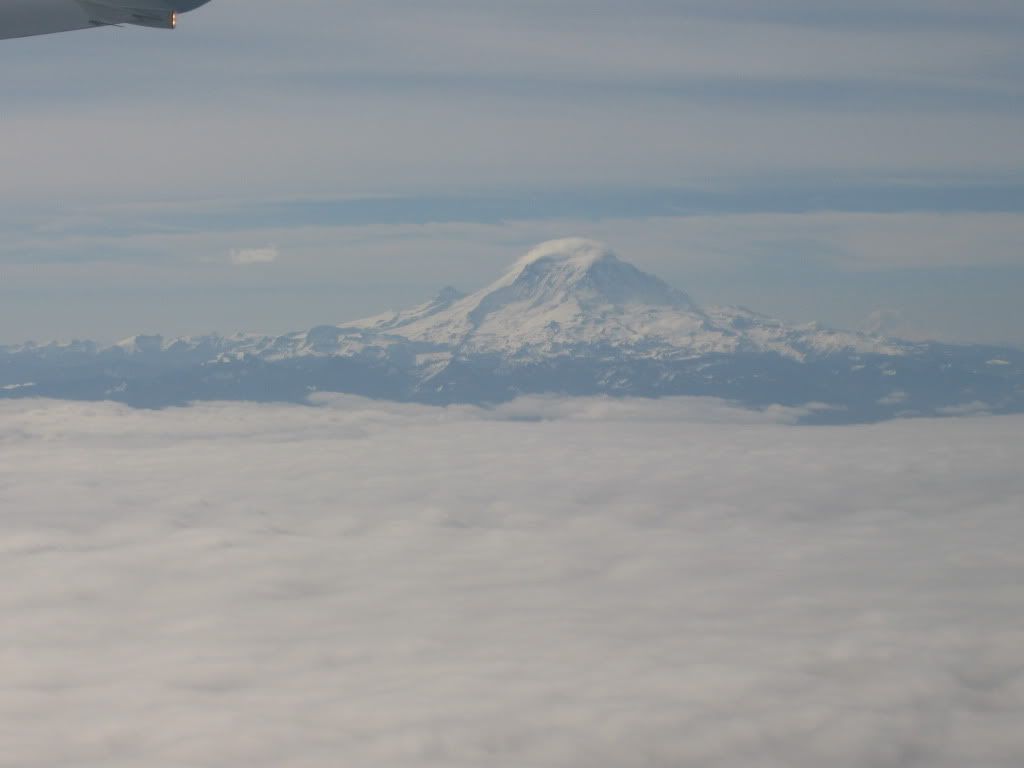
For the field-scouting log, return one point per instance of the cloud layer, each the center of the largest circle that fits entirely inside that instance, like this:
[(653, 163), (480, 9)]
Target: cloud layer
[(582, 583)]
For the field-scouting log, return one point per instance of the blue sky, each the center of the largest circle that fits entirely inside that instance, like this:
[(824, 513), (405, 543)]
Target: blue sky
[(272, 166)]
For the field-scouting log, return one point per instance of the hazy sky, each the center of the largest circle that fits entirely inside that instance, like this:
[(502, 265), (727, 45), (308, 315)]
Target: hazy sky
[(271, 166), (550, 583)]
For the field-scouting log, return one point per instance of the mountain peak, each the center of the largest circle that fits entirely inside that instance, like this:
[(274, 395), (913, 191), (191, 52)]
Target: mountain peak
[(562, 294), (587, 272)]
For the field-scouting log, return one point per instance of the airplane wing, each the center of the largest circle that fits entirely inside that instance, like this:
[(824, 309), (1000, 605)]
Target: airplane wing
[(24, 18)]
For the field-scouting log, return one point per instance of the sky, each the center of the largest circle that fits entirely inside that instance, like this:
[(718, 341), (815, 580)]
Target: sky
[(273, 166), (548, 583)]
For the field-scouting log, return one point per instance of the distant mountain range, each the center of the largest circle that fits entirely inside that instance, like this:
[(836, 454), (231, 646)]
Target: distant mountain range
[(569, 318)]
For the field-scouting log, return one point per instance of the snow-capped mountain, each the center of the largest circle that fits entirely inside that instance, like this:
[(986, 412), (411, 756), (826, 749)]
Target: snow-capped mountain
[(562, 296), (569, 317), (576, 296)]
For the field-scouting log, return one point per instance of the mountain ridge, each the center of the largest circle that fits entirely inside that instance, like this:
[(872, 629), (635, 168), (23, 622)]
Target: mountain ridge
[(569, 317)]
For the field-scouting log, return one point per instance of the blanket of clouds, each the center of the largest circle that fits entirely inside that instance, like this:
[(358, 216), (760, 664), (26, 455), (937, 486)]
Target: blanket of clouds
[(550, 583)]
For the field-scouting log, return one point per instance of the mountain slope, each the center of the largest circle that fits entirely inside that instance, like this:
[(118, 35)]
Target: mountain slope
[(564, 296)]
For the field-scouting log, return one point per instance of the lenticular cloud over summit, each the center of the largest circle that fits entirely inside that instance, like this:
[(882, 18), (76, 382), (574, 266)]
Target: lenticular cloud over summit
[(579, 251), (585, 582), (560, 270)]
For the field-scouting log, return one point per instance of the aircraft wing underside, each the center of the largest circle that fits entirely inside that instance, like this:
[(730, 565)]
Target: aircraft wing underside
[(24, 18)]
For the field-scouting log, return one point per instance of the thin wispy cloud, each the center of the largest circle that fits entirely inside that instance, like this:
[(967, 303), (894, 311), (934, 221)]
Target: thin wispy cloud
[(514, 94), (246, 257)]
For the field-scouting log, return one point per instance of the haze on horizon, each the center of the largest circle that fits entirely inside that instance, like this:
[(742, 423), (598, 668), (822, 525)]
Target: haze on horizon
[(846, 163)]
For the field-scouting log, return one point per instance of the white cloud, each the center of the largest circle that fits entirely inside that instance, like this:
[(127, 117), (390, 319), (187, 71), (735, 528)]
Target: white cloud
[(976, 408), (552, 583), (245, 257), (896, 397)]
